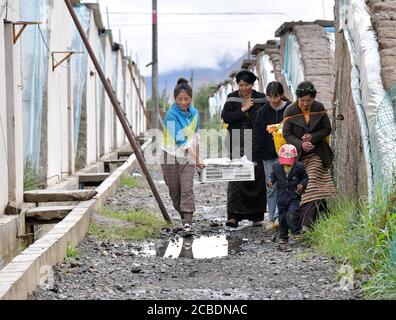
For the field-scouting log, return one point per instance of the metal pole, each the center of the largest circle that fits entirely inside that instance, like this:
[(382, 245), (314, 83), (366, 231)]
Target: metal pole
[(192, 84), (129, 133), (154, 77)]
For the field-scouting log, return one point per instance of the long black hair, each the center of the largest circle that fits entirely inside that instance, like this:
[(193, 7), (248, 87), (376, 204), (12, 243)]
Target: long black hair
[(275, 88)]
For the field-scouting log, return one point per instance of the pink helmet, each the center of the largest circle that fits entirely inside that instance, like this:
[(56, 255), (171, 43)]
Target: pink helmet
[(287, 154)]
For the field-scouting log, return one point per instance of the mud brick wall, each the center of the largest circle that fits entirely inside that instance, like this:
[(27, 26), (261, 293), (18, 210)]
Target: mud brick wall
[(383, 20), (318, 60)]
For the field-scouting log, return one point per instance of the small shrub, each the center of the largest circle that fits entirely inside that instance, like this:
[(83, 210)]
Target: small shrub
[(361, 235), (71, 253), (143, 224), (131, 182)]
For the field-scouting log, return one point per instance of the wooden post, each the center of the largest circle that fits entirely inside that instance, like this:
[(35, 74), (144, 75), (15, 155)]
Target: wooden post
[(116, 106)]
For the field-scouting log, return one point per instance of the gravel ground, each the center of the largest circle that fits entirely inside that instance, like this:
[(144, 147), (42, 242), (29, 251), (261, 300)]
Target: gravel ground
[(216, 263)]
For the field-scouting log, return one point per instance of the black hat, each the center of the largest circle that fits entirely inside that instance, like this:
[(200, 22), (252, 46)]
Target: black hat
[(246, 76)]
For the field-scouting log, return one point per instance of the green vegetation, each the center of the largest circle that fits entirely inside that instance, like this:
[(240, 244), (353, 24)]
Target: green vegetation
[(363, 236), (131, 182), (214, 123), (71, 253), (30, 178), (149, 104), (141, 224), (201, 97)]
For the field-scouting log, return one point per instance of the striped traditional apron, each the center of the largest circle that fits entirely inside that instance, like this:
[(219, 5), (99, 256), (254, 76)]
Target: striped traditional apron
[(320, 183)]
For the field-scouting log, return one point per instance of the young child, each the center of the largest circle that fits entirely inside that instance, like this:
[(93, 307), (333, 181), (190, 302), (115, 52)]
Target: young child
[(292, 179)]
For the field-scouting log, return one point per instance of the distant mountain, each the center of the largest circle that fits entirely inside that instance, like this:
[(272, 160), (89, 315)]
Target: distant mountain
[(202, 76)]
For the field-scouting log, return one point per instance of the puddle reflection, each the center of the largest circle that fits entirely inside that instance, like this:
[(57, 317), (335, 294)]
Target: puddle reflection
[(204, 247)]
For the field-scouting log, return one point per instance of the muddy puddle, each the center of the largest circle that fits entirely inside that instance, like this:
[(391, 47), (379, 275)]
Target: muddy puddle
[(195, 247)]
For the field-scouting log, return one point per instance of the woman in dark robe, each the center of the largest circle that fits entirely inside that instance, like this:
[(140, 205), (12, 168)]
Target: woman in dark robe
[(245, 199)]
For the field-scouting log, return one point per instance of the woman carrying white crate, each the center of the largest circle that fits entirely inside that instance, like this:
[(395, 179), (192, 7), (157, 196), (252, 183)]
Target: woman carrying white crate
[(246, 200), (181, 152)]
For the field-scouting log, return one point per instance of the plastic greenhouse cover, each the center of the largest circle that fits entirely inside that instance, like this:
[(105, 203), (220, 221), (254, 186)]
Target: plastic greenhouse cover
[(377, 105), (79, 67), (267, 70), (212, 107), (34, 60), (293, 67)]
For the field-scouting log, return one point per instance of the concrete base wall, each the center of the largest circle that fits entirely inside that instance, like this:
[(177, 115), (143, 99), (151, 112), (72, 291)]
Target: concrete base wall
[(25, 272), (12, 226), (3, 125), (10, 245)]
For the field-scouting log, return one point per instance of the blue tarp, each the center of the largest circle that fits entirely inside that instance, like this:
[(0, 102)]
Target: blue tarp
[(80, 69)]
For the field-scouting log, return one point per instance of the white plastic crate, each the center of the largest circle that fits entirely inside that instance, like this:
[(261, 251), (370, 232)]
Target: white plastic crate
[(216, 171)]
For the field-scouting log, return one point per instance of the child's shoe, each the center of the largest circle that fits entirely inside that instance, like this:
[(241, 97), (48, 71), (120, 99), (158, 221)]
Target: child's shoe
[(297, 237), (282, 244), (272, 226)]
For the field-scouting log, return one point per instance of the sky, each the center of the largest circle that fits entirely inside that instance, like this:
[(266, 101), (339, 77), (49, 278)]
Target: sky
[(198, 34)]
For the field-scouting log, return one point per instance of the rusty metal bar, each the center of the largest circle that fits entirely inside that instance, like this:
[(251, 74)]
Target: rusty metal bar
[(68, 55), (24, 25), (129, 133)]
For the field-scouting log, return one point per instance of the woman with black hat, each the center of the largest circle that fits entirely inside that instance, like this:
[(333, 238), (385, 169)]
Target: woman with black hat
[(245, 199)]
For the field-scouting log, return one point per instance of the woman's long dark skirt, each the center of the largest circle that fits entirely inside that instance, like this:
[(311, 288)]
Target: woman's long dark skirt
[(247, 199)]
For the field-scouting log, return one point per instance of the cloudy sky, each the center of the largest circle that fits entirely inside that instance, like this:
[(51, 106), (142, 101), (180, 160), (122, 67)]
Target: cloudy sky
[(203, 33)]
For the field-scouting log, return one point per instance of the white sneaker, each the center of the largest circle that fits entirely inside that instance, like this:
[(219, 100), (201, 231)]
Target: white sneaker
[(187, 227), (187, 230)]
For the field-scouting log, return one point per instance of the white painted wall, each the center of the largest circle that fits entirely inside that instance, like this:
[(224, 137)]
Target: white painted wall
[(3, 126), (144, 97), (60, 39), (13, 15), (120, 94), (136, 102), (141, 113), (138, 107), (58, 134), (128, 94), (124, 96), (92, 97), (266, 73), (134, 118), (109, 111)]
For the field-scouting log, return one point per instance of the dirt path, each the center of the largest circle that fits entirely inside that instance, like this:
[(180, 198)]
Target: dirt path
[(216, 263)]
